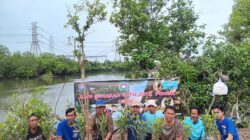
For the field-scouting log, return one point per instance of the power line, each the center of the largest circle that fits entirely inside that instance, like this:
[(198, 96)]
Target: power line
[(51, 44), (44, 37), (14, 28), (14, 35), (54, 48), (96, 42), (58, 40), (98, 46), (53, 36), (19, 42)]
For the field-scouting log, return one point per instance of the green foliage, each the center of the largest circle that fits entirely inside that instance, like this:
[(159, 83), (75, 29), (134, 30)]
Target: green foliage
[(156, 30), (103, 124), (4, 51), (92, 12), (185, 35), (187, 130), (237, 29), (108, 66), (58, 65), (199, 75), (81, 123), (148, 33), (209, 124), (122, 124), (157, 128), (26, 65), (17, 112), (138, 127)]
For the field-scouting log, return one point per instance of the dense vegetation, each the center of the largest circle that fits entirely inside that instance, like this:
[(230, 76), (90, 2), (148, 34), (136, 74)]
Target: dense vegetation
[(26, 65), (167, 32)]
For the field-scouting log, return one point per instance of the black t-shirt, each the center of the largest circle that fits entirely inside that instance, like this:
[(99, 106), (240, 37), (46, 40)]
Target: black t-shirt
[(37, 136)]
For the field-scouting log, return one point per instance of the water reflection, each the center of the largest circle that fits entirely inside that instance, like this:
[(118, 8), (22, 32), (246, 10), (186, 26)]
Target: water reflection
[(52, 89)]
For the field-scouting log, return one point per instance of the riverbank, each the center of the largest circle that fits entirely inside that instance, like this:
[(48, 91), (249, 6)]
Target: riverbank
[(52, 90)]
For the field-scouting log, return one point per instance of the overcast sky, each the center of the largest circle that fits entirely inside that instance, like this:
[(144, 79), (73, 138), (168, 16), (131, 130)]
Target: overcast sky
[(16, 17)]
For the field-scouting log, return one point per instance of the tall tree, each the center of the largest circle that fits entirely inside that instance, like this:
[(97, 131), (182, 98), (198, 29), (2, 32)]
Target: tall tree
[(150, 29), (92, 12), (4, 51), (185, 35), (238, 27)]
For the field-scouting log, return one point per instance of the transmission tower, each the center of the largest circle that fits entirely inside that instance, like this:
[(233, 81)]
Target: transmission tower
[(51, 44), (35, 48)]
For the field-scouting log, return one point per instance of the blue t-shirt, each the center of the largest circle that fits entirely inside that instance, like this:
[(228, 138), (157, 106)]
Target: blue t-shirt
[(150, 118), (131, 133), (67, 132), (227, 126), (197, 129)]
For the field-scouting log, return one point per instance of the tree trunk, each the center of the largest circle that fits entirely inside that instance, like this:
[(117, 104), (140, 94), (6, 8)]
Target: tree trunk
[(211, 104), (82, 62), (82, 69)]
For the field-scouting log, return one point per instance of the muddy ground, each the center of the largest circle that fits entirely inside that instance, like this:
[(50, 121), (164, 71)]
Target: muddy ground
[(244, 133)]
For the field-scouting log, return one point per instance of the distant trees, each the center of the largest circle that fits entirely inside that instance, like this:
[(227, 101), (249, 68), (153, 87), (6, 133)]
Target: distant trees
[(26, 65)]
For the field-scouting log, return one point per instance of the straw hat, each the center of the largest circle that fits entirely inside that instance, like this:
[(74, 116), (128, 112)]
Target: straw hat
[(135, 103)]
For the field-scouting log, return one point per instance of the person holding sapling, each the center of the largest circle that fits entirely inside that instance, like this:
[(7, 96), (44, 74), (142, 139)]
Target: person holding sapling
[(101, 124), (172, 129), (151, 115), (195, 124), (132, 118), (224, 124)]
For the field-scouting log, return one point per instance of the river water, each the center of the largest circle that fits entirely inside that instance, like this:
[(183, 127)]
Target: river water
[(52, 90)]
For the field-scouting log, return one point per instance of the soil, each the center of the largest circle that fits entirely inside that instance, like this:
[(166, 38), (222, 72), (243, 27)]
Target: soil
[(244, 133)]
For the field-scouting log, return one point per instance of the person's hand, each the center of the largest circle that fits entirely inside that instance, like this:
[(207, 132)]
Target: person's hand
[(52, 138)]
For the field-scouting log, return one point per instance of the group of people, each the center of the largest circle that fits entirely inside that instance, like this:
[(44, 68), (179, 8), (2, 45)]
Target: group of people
[(172, 129)]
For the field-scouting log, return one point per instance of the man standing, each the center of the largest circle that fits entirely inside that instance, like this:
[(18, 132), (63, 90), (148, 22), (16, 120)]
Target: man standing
[(151, 115), (135, 108), (95, 125), (225, 125), (34, 131), (68, 129), (195, 124), (172, 129)]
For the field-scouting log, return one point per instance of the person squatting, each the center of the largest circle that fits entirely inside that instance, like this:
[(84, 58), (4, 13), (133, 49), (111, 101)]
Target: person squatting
[(172, 128)]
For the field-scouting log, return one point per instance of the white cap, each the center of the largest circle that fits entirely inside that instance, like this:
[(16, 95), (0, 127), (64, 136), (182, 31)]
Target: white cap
[(151, 102)]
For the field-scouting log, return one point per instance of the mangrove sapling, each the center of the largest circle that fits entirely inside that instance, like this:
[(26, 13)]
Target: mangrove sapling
[(157, 128), (209, 124)]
